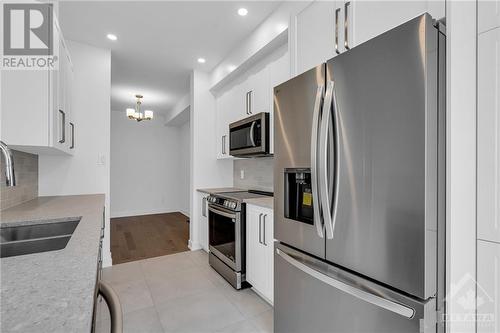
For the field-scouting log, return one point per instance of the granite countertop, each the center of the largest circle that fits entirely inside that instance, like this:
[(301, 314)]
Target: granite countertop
[(266, 202), (53, 291), (220, 190)]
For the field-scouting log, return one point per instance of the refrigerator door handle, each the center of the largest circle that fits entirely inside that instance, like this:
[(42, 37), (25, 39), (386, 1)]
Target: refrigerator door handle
[(336, 162), (337, 11), (324, 183), (314, 163), (376, 300)]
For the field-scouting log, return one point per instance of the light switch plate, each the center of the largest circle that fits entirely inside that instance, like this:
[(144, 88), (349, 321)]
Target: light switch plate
[(242, 174)]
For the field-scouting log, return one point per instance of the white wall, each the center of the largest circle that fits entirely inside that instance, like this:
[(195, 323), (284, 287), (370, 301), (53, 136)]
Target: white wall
[(145, 167), (184, 156), (81, 173), (206, 170)]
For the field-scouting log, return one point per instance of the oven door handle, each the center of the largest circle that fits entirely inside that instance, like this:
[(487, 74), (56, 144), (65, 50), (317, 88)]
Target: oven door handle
[(232, 216)]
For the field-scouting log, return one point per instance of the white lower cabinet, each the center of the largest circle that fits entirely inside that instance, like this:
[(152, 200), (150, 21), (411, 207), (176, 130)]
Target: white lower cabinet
[(488, 287), (259, 251), (203, 218)]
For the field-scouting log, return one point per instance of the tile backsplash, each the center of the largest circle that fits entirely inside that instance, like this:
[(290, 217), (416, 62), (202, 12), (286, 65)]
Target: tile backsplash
[(26, 170), (258, 173)]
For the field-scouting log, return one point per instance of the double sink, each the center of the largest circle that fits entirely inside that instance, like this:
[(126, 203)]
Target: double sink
[(27, 239)]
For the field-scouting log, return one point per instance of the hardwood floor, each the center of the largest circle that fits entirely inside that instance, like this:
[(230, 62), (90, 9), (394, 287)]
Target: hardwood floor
[(146, 236)]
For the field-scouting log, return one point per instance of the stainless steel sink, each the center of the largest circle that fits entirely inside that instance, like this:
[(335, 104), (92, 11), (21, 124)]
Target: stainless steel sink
[(15, 241)]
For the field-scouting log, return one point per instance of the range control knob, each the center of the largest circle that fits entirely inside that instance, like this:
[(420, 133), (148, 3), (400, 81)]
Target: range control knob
[(233, 205)]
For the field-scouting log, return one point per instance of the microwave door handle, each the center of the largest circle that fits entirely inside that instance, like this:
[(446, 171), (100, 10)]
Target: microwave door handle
[(252, 128), (324, 189), (314, 163)]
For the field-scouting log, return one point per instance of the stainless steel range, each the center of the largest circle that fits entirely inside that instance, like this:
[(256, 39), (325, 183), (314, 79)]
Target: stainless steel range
[(226, 235)]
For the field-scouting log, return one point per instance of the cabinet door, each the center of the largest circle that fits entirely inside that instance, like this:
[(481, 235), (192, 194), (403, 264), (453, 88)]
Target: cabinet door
[(488, 16), (371, 18), (222, 125), (488, 135), (268, 240), (315, 34), (258, 86), (488, 289), (203, 221), (256, 255)]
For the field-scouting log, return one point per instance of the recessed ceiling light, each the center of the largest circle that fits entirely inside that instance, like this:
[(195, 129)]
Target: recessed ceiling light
[(111, 37), (242, 12), (231, 67), (201, 60)]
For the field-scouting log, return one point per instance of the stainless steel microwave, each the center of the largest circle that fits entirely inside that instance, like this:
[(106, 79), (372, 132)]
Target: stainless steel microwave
[(250, 136)]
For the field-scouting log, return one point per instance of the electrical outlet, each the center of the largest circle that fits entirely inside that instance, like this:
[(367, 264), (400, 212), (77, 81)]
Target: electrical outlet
[(101, 159), (242, 174)]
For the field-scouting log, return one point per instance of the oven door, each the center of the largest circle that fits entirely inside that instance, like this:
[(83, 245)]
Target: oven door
[(225, 236), (250, 136)]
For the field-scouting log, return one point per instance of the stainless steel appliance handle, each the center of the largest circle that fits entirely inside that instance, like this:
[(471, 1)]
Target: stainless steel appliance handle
[(115, 308), (260, 228), (325, 194), (252, 127), (232, 216), (336, 122), (346, 25), (376, 300), (337, 11), (264, 230), (314, 160)]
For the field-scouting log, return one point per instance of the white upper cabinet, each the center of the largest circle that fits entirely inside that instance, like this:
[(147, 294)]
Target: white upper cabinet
[(488, 131), (368, 19), (324, 29), (315, 34), (36, 106), (488, 15), (258, 91)]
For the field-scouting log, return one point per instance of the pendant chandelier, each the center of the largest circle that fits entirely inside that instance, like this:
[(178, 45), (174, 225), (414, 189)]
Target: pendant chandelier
[(136, 114)]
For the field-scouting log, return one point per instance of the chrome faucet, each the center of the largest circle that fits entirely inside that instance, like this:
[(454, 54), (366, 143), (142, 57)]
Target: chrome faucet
[(10, 177)]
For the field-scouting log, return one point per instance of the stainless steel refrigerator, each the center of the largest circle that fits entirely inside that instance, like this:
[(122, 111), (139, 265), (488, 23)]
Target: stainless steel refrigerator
[(359, 188)]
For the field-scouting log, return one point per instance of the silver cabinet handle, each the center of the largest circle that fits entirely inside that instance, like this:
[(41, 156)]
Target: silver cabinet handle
[(376, 300), (250, 94), (62, 134), (224, 145), (72, 126), (260, 228), (314, 160), (204, 207), (325, 192), (264, 229), (346, 25), (337, 12), (115, 308), (246, 103)]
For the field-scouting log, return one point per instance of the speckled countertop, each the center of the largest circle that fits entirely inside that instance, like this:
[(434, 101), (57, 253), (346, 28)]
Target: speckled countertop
[(52, 291), (220, 190), (266, 202)]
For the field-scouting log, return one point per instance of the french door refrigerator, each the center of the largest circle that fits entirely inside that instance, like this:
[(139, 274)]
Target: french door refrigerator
[(359, 188)]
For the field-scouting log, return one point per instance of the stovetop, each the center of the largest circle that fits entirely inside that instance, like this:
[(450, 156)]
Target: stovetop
[(240, 196)]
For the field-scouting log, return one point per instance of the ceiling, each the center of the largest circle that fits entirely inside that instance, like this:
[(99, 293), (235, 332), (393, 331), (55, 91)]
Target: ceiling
[(159, 42)]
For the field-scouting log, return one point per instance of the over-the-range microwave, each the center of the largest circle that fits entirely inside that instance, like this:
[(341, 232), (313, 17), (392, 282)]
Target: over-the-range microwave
[(249, 137)]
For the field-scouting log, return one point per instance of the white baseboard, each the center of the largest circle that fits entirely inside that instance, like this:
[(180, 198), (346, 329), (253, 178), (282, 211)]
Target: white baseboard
[(194, 246), (185, 213), (144, 212)]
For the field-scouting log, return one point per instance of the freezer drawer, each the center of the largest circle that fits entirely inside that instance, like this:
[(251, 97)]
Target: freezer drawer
[(312, 296)]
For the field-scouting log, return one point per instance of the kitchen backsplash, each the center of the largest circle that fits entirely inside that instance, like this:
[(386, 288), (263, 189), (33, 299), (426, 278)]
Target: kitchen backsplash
[(26, 170), (258, 173)]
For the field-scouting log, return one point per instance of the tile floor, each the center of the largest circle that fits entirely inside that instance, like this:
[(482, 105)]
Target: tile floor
[(182, 293)]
